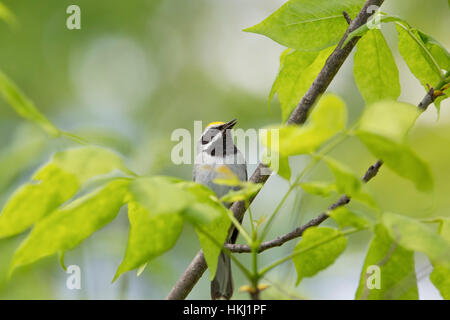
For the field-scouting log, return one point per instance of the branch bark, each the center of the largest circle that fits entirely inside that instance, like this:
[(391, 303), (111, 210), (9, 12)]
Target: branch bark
[(334, 62)]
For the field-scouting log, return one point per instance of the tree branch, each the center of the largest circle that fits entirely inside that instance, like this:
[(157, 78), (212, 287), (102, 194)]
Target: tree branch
[(334, 62), (298, 232)]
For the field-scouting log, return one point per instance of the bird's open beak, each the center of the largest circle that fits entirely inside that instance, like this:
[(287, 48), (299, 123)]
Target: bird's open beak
[(229, 124)]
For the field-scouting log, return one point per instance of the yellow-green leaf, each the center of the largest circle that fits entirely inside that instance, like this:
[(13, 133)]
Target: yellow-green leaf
[(419, 59), (374, 67), (160, 195), (346, 180), (347, 218), (217, 229), (278, 164), (67, 227), (297, 72), (390, 119), (54, 184), (24, 106), (327, 119), (400, 158), (245, 192), (383, 128), (317, 250), (150, 236), (50, 188), (437, 50), (308, 25), (318, 188), (416, 236), (396, 277), (208, 216), (440, 276)]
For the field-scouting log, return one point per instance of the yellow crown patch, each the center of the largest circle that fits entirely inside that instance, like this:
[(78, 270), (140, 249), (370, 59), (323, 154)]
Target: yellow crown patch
[(214, 123)]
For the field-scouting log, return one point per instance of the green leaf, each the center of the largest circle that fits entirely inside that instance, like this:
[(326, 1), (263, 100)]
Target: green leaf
[(440, 276), (308, 25), (416, 55), (209, 216), (416, 236), (425, 56), (50, 188), (90, 161), (399, 158), (346, 180), (67, 227), (206, 208), (437, 50), (318, 188), (280, 167), (390, 119), (348, 183), (297, 72), (217, 230), (347, 218), (284, 169), (245, 192), (150, 236), (319, 248), (375, 71), (23, 106), (444, 228), (54, 184), (160, 195), (327, 118), (383, 129), (397, 274)]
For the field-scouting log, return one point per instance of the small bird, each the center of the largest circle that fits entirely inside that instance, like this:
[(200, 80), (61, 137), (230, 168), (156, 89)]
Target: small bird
[(215, 149)]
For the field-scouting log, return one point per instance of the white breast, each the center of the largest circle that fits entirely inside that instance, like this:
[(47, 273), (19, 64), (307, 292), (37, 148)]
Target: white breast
[(205, 173)]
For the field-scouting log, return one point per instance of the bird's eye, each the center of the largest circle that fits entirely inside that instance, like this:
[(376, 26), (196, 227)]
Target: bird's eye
[(204, 140)]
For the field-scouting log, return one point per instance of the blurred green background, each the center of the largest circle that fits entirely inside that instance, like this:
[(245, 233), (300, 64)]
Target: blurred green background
[(139, 69)]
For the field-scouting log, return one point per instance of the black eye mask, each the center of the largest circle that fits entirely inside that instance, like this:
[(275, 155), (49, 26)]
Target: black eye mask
[(210, 136)]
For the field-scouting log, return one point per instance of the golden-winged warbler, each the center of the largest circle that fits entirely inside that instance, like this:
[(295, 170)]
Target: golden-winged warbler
[(214, 150)]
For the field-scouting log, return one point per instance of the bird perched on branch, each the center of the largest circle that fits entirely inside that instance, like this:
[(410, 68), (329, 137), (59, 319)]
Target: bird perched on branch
[(216, 149)]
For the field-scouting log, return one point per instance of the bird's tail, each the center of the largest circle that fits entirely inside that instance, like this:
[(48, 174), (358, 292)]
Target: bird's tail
[(222, 284)]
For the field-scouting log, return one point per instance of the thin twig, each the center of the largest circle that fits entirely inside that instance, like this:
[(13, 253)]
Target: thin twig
[(347, 17)]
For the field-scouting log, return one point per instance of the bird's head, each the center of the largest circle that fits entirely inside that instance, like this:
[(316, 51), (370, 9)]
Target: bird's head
[(217, 135)]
